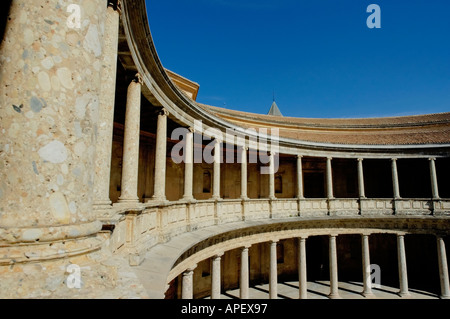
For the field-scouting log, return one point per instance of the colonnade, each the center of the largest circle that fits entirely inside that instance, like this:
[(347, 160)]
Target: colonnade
[(188, 284), (131, 156)]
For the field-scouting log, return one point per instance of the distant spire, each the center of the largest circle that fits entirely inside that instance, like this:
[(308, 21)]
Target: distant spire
[(274, 110)]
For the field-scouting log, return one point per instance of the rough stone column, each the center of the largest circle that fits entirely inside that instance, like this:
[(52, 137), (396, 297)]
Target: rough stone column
[(273, 281), (216, 277), (302, 279), (402, 271), (300, 194), (160, 157), (362, 192), (189, 165), (244, 172), (244, 278), (102, 201), (130, 163), (367, 281), (433, 176), (187, 287), (334, 292), (443, 268), (216, 169), (329, 179), (271, 176), (50, 89), (395, 184)]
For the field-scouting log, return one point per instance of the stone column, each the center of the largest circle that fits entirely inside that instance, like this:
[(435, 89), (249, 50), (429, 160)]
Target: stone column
[(433, 177), (130, 163), (102, 201), (402, 271), (160, 157), (300, 194), (395, 184), (329, 179), (216, 177), (48, 143), (362, 192), (367, 280), (187, 286), (443, 268), (244, 172), (273, 280), (302, 279), (334, 292), (271, 176), (244, 278), (189, 165), (216, 277)]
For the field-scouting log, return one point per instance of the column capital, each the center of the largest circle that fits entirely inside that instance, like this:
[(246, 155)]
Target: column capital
[(394, 159), (138, 78), (191, 129), (116, 5), (246, 247), (162, 111), (218, 255), (432, 159), (191, 268), (329, 158), (274, 241), (360, 159), (299, 156)]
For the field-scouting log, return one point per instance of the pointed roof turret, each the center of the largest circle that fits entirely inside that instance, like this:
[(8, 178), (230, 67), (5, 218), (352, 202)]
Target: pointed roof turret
[(274, 110)]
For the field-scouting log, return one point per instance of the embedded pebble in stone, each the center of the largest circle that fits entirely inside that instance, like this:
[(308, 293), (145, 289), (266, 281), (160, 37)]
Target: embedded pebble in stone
[(18, 108), (59, 179), (31, 234), (36, 104), (54, 152), (47, 63), (35, 168), (59, 207), (92, 41), (44, 81), (65, 77), (28, 37), (72, 207)]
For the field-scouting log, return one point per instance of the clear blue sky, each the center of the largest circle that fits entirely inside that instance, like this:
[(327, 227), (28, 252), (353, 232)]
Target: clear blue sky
[(318, 55)]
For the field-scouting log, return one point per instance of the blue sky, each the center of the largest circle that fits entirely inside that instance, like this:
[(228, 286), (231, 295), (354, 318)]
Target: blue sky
[(318, 56)]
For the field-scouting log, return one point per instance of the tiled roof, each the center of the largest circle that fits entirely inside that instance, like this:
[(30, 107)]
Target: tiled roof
[(402, 130)]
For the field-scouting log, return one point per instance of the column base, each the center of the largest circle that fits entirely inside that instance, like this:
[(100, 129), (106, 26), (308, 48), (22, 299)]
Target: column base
[(217, 198), (444, 297), (334, 296), (244, 198), (404, 294), (157, 199), (189, 199), (368, 295), (127, 200)]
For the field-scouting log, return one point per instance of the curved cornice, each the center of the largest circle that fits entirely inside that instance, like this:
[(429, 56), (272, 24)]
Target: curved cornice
[(185, 111)]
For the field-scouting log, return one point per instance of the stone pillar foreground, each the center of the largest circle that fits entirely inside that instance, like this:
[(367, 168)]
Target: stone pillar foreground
[(300, 194), (216, 277), (395, 183), (130, 163), (244, 278), (50, 95), (244, 172), (361, 189), (334, 293), (102, 201), (187, 286), (329, 179), (189, 166), (402, 271), (160, 157), (433, 177), (367, 280), (216, 169), (443, 268), (302, 279)]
